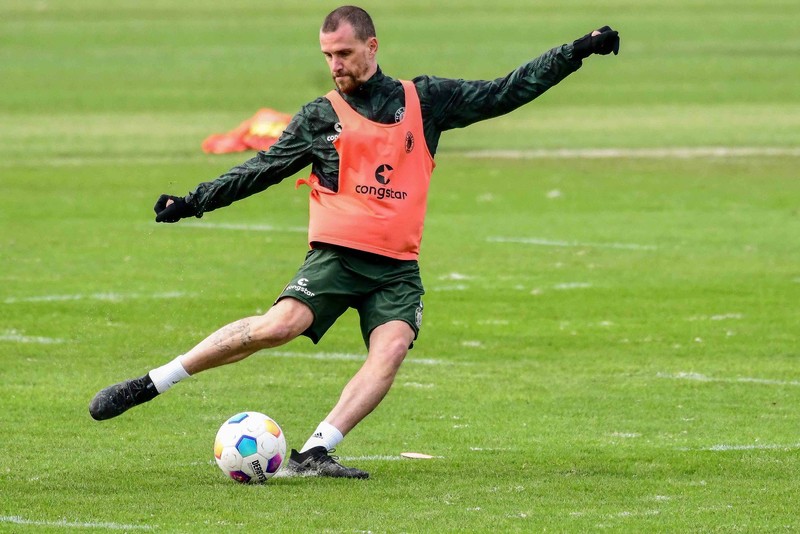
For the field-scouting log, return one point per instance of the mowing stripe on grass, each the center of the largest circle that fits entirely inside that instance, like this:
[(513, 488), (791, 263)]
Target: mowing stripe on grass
[(17, 520), (106, 297), (640, 153), (741, 380), (557, 243), (345, 357)]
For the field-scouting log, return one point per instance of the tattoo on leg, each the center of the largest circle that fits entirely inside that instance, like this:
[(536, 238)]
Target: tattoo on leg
[(226, 337), (246, 337)]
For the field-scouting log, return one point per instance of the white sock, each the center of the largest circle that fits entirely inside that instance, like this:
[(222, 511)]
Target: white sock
[(325, 435), (168, 375)]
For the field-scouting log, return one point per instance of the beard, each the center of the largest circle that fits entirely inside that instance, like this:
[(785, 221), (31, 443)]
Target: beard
[(346, 83), (348, 80)]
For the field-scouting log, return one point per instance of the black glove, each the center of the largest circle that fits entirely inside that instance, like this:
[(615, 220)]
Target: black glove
[(179, 209), (604, 43)]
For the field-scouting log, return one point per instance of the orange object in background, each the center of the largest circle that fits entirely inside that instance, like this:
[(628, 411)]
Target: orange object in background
[(256, 133)]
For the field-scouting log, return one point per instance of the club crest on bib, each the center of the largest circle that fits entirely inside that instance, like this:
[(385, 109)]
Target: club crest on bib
[(382, 173)]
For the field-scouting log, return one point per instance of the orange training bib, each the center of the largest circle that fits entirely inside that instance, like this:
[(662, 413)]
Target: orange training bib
[(384, 175)]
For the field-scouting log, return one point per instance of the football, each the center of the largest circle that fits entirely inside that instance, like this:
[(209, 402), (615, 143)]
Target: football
[(250, 447)]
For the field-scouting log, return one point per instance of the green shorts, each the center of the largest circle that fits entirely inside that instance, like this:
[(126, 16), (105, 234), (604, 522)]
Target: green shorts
[(333, 279)]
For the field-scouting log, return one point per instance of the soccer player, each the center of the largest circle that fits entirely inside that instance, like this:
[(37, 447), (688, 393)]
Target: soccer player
[(370, 144)]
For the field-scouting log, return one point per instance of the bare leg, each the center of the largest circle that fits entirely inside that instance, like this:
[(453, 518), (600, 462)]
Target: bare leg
[(282, 323), (389, 345)]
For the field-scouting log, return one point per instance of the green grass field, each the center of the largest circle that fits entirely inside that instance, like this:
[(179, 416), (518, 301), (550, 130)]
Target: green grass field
[(611, 323)]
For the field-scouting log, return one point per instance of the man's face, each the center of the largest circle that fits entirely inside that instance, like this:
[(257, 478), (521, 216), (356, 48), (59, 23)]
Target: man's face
[(350, 60)]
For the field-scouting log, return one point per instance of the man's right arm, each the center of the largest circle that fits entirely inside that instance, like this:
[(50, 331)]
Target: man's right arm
[(290, 153)]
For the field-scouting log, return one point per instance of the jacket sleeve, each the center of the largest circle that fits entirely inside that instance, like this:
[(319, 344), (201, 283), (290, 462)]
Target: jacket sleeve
[(458, 103), (290, 154)]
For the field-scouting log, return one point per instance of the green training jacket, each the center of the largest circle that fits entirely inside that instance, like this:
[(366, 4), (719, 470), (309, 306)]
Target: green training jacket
[(446, 104)]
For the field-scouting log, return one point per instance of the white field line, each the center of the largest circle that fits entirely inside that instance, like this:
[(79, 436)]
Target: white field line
[(15, 337), (545, 153), (640, 153), (286, 473), (453, 287), (378, 458), (83, 161), (572, 285), (416, 385), (63, 523), (557, 243), (625, 435), (342, 356), (718, 317), (105, 297), (247, 227), (618, 515), (754, 447), (600, 515), (455, 276), (741, 380)]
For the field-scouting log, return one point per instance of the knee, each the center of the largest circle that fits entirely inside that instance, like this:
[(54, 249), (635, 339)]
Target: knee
[(390, 354), (398, 349), (388, 346), (268, 332), (282, 323)]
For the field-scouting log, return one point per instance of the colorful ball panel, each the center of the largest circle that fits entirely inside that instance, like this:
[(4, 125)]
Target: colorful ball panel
[(247, 446), (240, 476), (274, 463), (238, 418), (272, 427)]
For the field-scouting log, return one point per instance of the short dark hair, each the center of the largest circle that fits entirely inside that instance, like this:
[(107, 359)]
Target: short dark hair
[(355, 16)]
